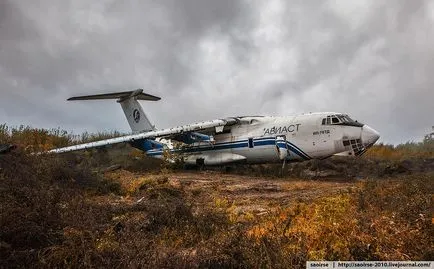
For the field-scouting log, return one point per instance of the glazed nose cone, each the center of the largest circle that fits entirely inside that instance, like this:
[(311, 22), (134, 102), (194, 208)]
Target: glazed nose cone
[(369, 136)]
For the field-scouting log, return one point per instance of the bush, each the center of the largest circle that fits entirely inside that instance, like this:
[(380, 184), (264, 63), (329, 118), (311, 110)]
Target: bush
[(424, 149), (382, 220)]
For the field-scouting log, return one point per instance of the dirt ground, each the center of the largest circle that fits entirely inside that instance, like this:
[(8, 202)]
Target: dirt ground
[(255, 194), (245, 194)]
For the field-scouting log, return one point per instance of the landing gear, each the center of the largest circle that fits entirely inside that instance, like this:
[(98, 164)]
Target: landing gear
[(228, 168), (200, 163), (283, 167)]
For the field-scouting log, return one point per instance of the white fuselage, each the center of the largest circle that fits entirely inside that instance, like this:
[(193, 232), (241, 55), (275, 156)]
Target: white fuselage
[(254, 140)]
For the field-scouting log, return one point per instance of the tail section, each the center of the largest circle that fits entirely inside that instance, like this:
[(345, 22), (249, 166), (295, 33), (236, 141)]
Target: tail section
[(137, 119), (134, 113)]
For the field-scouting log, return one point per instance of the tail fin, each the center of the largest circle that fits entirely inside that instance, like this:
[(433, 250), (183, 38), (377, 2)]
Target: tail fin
[(134, 113)]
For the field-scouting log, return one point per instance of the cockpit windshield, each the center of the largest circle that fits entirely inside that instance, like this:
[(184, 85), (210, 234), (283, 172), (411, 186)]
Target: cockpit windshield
[(340, 119)]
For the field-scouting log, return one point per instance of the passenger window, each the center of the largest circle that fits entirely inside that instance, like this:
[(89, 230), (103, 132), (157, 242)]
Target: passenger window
[(328, 120), (323, 121)]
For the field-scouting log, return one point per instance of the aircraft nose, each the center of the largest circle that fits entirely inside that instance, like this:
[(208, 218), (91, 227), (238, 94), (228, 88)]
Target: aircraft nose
[(369, 136)]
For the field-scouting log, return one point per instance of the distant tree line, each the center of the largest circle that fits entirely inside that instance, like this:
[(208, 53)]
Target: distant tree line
[(39, 139)]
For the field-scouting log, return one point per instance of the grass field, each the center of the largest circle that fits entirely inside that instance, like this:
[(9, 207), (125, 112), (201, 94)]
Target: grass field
[(116, 208)]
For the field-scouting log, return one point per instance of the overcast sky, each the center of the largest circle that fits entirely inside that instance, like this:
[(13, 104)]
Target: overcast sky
[(211, 59)]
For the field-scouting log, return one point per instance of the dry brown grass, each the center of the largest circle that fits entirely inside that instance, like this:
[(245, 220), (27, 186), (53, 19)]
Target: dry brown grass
[(387, 220), (65, 211), (424, 149), (31, 139), (55, 215)]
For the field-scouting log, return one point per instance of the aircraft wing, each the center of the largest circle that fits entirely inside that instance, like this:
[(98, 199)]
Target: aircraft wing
[(170, 132)]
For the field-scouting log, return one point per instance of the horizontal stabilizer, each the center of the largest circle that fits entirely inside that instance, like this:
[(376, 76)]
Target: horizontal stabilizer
[(137, 94)]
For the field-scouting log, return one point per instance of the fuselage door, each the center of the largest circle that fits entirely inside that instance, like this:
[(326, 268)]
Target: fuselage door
[(250, 142), (281, 147)]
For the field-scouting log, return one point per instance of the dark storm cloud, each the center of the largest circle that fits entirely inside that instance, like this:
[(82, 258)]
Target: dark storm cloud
[(210, 59), (56, 49)]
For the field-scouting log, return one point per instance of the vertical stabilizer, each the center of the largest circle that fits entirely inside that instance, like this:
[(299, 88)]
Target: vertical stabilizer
[(134, 113)]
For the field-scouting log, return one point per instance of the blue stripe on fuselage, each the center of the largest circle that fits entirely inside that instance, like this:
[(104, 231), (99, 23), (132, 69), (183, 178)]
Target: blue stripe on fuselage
[(264, 141), (291, 146), (298, 151)]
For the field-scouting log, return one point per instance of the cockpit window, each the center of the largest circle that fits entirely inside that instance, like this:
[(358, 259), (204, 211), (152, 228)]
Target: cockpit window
[(335, 120), (349, 119), (340, 119)]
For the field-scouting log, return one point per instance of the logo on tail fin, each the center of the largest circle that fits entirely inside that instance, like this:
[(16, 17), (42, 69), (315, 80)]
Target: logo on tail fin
[(136, 115)]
